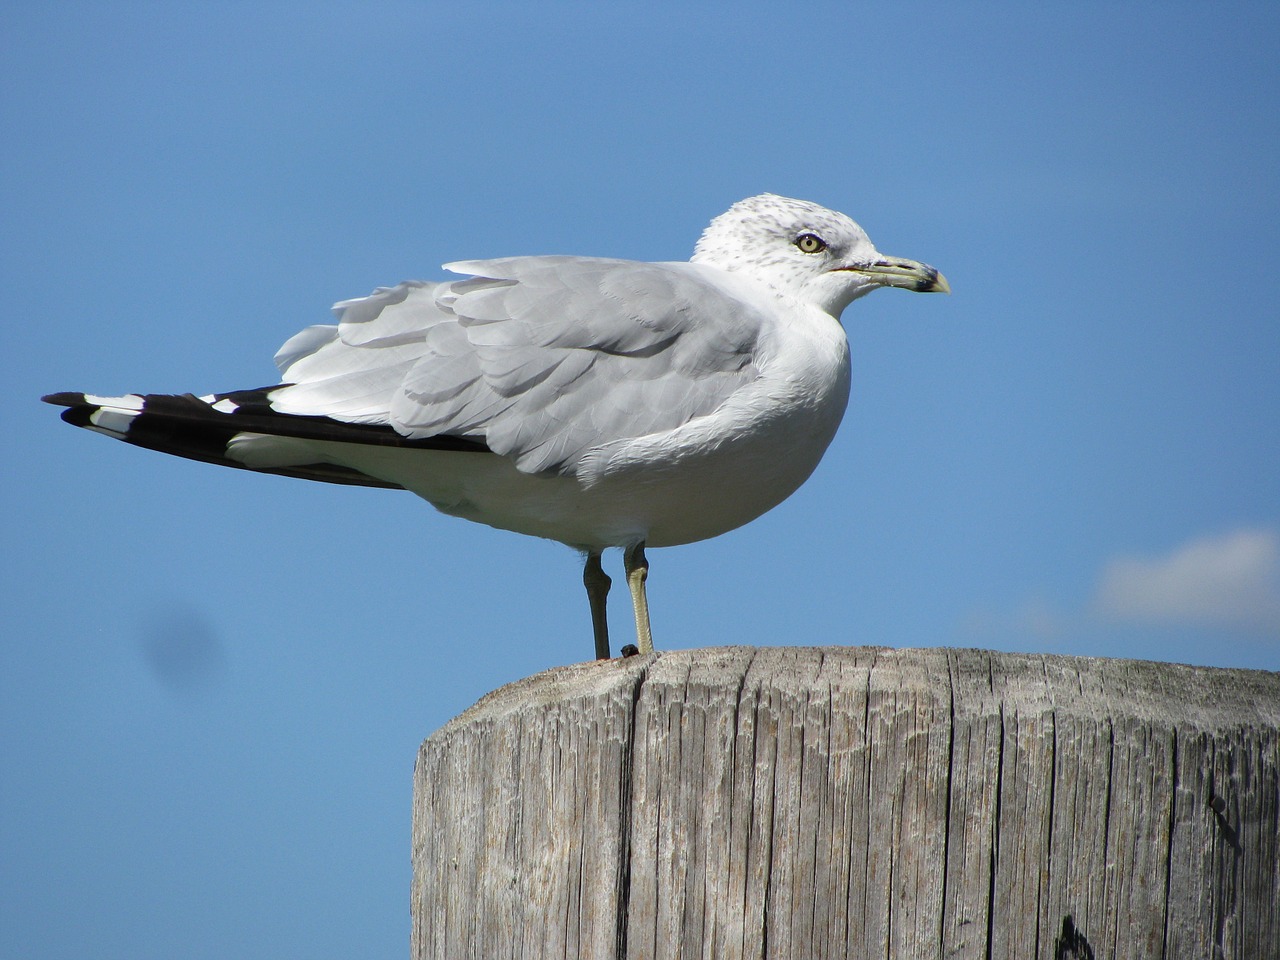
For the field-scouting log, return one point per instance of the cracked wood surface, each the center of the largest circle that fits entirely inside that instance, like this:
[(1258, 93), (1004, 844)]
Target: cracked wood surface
[(854, 802)]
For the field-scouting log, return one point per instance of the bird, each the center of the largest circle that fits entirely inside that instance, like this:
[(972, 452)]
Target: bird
[(601, 403)]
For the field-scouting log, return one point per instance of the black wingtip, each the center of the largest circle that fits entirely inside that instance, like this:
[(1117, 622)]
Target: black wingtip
[(187, 426), (79, 412), (64, 399)]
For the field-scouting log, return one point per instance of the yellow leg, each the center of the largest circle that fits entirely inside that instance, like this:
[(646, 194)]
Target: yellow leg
[(637, 568), (597, 583)]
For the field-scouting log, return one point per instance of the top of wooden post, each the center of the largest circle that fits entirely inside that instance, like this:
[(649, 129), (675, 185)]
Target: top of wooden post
[(1207, 698)]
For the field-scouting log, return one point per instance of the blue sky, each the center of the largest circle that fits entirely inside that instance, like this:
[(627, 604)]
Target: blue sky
[(213, 684)]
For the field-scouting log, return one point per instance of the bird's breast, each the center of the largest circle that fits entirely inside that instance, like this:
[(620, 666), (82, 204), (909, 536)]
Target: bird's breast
[(723, 470)]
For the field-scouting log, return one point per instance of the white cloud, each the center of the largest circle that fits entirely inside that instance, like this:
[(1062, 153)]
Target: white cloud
[(1230, 581)]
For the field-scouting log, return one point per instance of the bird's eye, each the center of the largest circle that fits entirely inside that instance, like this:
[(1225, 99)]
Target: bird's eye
[(810, 243)]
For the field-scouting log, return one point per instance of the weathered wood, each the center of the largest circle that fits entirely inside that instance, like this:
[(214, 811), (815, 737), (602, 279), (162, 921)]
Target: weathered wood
[(854, 802)]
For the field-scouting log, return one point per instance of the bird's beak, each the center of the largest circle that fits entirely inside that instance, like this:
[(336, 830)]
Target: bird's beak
[(907, 274)]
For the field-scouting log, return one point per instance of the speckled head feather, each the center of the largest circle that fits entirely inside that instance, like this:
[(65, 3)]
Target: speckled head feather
[(764, 226), (760, 236)]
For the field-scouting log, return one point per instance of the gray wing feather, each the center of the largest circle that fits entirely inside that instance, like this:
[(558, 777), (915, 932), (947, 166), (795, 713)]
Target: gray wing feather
[(567, 353), (350, 370), (541, 358)]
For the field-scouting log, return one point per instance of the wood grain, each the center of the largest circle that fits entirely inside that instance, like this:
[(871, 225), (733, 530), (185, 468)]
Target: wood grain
[(854, 802)]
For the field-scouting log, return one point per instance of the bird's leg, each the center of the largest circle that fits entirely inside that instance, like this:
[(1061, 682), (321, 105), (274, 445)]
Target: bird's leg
[(597, 583), (637, 568)]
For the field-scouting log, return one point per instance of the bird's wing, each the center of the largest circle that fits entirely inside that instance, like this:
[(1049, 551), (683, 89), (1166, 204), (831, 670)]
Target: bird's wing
[(350, 370), (540, 358)]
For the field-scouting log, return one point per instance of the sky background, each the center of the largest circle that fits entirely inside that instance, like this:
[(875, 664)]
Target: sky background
[(213, 684)]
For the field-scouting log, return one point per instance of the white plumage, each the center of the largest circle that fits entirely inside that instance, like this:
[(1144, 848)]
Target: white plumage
[(600, 403)]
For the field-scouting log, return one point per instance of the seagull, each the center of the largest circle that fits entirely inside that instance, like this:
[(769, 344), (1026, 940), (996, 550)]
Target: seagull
[(597, 402)]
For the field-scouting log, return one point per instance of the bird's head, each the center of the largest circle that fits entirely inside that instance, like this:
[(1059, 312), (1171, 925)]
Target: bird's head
[(807, 251)]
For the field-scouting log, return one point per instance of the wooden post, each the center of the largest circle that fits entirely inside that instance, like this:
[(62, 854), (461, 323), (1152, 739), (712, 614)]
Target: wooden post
[(854, 802)]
